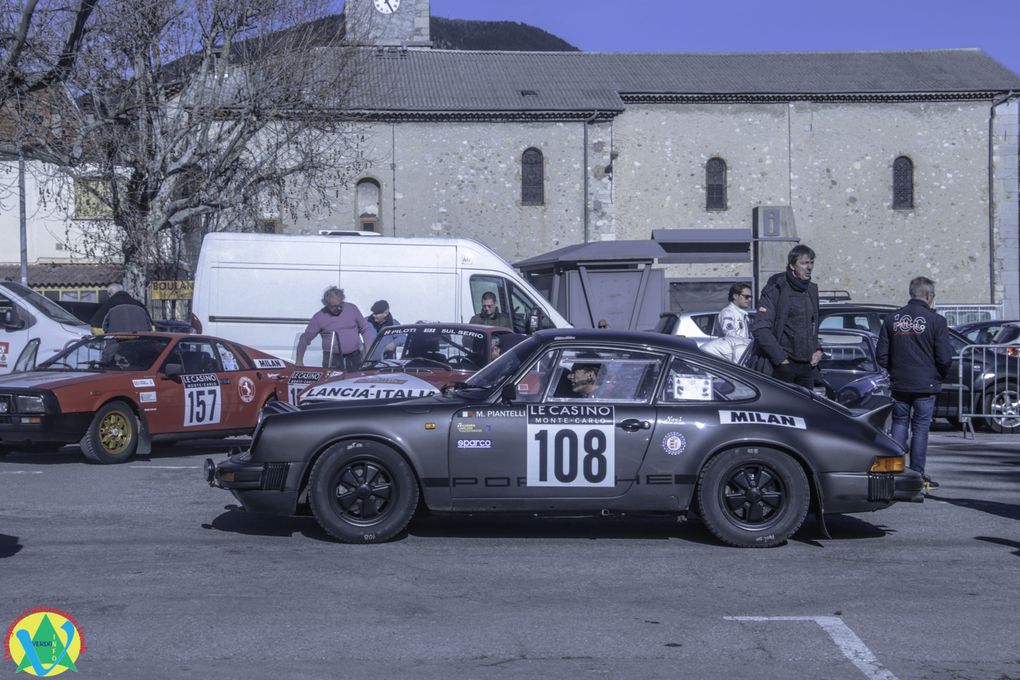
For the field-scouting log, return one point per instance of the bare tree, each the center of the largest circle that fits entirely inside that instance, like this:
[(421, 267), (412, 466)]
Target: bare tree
[(40, 42), (193, 114)]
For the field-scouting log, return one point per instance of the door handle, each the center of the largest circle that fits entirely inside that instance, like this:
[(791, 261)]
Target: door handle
[(224, 381), (633, 425)]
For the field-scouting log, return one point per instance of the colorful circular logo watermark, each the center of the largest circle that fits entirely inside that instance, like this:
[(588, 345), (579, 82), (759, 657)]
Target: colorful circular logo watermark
[(44, 642)]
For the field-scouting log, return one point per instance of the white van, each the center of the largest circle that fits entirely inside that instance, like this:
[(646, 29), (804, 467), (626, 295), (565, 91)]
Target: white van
[(34, 327), (261, 289)]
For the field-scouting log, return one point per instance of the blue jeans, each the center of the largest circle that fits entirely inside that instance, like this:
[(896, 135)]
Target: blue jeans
[(913, 412)]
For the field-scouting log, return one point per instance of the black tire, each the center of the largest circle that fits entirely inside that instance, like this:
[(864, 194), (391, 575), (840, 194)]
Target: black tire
[(1003, 402), (742, 507), (113, 435), (4, 450), (362, 492)]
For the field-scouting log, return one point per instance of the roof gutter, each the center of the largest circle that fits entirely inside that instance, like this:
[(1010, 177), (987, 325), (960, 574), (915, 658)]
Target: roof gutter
[(584, 169), (991, 193)]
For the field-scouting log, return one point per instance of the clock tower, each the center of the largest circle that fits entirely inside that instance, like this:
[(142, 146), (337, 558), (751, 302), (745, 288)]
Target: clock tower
[(403, 23)]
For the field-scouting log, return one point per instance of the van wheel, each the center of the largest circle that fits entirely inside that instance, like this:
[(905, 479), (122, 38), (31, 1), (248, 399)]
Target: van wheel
[(113, 435), (362, 492), (753, 497)]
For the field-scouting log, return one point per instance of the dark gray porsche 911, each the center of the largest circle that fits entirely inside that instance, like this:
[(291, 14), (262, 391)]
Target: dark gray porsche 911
[(579, 421)]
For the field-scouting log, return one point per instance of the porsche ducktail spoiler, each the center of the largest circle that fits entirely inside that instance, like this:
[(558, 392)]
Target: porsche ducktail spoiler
[(875, 412)]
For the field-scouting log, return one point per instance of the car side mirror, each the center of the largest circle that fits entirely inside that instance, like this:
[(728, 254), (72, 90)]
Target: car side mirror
[(508, 394), (173, 369), (12, 320)]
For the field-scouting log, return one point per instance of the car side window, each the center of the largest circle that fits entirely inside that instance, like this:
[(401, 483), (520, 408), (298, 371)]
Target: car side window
[(195, 356), (688, 382), (613, 376), (532, 385), (227, 357)]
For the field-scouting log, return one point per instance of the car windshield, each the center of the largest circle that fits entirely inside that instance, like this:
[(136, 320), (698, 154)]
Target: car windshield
[(460, 348), (1007, 335), (850, 352), (503, 368), (108, 353), (42, 304)]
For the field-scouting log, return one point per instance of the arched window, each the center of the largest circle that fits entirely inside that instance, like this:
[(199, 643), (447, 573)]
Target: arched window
[(903, 183), (715, 184), (368, 202), (532, 177)]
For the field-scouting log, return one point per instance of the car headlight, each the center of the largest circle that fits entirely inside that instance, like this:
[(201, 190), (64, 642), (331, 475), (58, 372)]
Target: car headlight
[(29, 403)]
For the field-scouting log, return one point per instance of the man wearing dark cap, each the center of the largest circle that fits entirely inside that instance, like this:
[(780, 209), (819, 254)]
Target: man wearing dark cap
[(381, 316)]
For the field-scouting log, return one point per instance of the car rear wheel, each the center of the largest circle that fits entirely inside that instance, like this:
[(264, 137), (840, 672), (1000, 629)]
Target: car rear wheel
[(1003, 403), (362, 492), (753, 497), (113, 435)]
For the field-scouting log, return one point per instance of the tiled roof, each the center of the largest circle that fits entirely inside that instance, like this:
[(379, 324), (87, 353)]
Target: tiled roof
[(422, 80), (65, 275)]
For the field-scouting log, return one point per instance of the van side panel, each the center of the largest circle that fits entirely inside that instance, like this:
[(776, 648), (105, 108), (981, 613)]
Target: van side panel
[(261, 289)]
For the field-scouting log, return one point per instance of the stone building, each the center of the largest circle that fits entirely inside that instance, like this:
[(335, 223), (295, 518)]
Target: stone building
[(889, 164)]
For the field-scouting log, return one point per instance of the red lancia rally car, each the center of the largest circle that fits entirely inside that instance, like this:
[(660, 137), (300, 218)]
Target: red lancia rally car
[(116, 394)]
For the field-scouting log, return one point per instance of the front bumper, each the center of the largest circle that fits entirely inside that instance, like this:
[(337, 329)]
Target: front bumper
[(259, 487), (30, 428), (866, 491)]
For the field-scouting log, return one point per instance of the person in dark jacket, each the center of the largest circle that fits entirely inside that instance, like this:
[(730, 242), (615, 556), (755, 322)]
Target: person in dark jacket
[(489, 315), (785, 329), (914, 347), (121, 313), (381, 317)]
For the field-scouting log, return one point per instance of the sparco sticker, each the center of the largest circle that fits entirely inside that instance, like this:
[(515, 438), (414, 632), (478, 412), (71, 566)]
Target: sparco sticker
[(474, 443), (201, 399), (746, 417), (571, 445)]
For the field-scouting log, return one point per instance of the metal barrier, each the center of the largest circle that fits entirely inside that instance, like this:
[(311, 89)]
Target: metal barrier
[(960, 314), (988, 387)]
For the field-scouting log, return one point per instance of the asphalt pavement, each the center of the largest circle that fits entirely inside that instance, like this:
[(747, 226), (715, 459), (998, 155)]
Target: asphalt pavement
[(167, 579)]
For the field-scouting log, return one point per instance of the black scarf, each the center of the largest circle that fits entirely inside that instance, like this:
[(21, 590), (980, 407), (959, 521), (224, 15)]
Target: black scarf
[(798, 285)]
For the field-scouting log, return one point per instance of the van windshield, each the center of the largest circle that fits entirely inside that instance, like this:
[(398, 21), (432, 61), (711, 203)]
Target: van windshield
[(42, 304)]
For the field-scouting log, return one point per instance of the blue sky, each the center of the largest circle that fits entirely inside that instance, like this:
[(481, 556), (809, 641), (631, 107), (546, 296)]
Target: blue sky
[(762, 26)]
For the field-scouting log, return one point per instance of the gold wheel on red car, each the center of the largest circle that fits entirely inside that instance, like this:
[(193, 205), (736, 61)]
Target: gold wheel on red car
[(113, 435)]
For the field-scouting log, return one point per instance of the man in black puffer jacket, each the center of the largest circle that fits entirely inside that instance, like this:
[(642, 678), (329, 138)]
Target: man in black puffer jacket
[(785, 328), (914, 347)]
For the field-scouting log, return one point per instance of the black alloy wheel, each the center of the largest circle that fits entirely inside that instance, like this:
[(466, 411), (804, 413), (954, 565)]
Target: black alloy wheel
[(753, 497), (362, 492)]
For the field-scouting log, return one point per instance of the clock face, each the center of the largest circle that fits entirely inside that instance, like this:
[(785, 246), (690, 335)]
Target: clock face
[(387, 6)]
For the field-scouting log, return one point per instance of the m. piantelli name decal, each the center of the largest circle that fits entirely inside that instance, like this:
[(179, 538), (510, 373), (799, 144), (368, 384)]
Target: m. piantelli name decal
[(760, 418)]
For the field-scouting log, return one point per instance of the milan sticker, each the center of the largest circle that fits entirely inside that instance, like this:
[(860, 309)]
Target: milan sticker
[(269, 363), (749, 417)]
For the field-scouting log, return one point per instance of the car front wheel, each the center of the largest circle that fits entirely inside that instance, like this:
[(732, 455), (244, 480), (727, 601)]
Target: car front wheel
[(362, 492), (1003, 404), (753, 497), (113, 435)]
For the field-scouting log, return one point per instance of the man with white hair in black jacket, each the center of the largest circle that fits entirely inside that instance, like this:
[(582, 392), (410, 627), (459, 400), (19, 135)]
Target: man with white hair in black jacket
[(914, 347)]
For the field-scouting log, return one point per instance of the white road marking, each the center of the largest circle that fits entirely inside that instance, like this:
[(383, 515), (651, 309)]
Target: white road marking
[(167, 467), (852, 646), (20, 472)]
